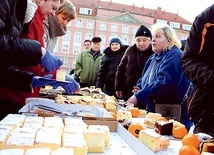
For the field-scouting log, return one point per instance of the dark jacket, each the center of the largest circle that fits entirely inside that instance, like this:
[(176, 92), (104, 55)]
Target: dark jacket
[(108, 68), (15, 51), (199, 68), (130, 69)]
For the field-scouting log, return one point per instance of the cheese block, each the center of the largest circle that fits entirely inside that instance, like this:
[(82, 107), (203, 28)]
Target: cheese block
[(33, 122), (75, 141), (60, 75), (13, 120), (54, 122), (63, 151), (38, 151), (4, 134), (163, 128), (75, 123), (152, 140), (125, 114), (21, 138), (151, 118), (95, 140), (12, 152), (105, 128), (48, 137)]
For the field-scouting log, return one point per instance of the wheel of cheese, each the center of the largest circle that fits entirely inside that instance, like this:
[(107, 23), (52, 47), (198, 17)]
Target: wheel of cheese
[(134, 129)]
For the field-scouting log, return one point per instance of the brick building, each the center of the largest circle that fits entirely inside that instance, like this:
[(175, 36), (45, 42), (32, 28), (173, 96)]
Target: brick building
[(109, 19)]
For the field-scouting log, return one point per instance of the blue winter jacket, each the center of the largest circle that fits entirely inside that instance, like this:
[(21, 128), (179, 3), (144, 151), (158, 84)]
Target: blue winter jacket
[(167, 83)]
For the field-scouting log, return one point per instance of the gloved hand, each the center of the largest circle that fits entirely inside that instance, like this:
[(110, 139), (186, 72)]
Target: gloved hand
[(71, 87), (50, 62)]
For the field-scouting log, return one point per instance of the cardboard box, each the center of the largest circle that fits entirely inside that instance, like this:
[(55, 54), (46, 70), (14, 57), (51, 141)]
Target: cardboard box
[(51, 109)]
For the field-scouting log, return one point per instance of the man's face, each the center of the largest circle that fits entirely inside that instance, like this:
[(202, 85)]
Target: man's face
[(87, 45), (96, 46)]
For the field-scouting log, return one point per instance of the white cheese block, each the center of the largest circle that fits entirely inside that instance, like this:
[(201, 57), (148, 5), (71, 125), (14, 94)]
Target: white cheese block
[(38, 151), (12, 152), (152, 140), (63, 151), (95, 140)]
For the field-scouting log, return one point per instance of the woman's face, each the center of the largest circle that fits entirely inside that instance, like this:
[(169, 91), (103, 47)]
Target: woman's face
[(62, 19), (142, 43), (115, 46), (49, 7), (159, 41)]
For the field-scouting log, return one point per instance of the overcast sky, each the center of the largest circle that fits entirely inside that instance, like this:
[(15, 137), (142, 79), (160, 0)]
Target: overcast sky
[(188, 9)]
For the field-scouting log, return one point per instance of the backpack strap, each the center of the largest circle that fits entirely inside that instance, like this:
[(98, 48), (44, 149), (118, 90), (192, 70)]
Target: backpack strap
[(203, 35)]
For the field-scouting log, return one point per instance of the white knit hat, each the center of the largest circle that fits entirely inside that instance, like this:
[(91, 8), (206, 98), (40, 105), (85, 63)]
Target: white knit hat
[(30, 11)]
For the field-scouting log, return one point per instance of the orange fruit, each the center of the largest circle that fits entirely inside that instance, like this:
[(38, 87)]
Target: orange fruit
[(114, 115), (135, 112), (179, 132), (134, 129), (188, 150), (192, 140)]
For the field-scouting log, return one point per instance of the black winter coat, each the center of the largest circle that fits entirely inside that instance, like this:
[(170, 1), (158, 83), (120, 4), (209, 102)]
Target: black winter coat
[(15, 51), (108, 68), (130, 69), (199, 68)]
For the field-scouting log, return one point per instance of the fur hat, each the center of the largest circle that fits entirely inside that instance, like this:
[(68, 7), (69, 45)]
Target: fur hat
[(143, 31), (96, 40), (113, 40)]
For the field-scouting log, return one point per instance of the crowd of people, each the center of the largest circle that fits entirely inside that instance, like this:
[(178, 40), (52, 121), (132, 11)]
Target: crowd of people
[(155, 69)]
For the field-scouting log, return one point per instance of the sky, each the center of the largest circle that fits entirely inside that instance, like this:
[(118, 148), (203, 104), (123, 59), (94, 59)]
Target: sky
[(187, 9)]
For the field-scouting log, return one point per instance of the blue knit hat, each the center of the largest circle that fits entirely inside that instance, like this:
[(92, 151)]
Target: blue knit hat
[(113, 40)]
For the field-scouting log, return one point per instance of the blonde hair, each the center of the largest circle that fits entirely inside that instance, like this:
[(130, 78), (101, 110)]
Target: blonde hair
[(67, 9), (169, 33)]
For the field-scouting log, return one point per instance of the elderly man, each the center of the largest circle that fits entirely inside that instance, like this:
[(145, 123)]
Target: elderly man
[(88, 64)]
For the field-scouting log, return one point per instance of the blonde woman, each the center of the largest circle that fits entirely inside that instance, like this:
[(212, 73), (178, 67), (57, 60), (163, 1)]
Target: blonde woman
[(57, 26), (163, 80)]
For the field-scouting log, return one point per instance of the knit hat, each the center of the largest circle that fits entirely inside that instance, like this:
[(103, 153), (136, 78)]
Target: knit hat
[(143, 31), (96, 40), (113, 40)]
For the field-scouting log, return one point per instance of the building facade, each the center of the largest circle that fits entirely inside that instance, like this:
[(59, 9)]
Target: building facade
[(107, 20)]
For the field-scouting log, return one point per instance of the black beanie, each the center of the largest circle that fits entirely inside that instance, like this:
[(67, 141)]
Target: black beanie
[(115, 40), (143, 31)]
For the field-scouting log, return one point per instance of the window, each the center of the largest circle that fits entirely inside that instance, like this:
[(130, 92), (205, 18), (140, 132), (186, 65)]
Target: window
[(76, 49), (135, 30), (186, 27), (65, 62), (102, 26), (114, 27), (175, 25), (103, 37), (85, 11), (90, 24), (65, 48), (183, 37), (125, 40), (125, 29), (161, 21), (77, 36), (88, 36), (79, 23), (66, 37)]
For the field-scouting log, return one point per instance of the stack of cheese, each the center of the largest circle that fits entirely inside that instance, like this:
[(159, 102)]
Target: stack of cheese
[(27, 135)]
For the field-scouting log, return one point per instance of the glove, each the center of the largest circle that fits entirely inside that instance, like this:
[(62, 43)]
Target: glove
[(42, 81), (50, 62), (71, 87)]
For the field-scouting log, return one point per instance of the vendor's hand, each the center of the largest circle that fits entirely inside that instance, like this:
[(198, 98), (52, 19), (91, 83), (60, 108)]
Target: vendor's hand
[(72, 87), (37, 81), (135, 89), (119, 94), (50, 61), (132, 100)]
